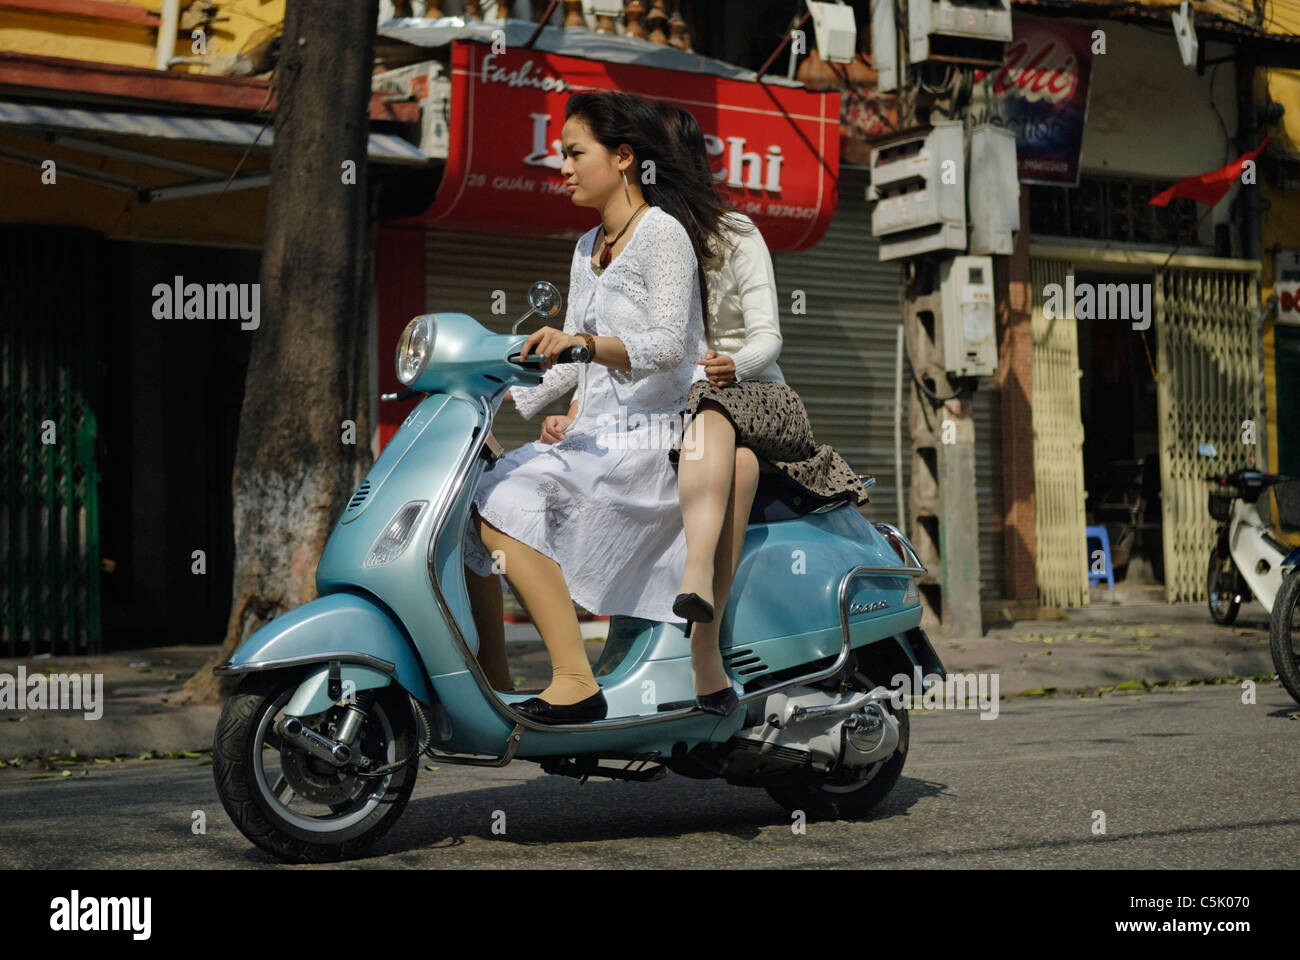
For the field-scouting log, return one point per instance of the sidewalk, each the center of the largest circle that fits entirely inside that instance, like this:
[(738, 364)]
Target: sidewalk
[(1099, 646)]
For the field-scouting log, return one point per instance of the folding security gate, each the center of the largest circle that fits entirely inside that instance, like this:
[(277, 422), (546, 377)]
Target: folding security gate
[(1061, 565), (1208, 392), (1206, 349)]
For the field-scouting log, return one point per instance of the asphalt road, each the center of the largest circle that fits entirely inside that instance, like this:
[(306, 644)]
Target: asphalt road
[(1186, 778)]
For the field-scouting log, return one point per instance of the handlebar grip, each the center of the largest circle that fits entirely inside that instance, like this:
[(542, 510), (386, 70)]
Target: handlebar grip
[(576, 354), (573, 355)]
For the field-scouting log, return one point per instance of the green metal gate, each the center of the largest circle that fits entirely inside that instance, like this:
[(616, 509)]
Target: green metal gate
[(49, 522)]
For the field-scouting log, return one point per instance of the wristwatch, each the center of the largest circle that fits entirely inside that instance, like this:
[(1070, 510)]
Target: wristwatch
[(590, 341)]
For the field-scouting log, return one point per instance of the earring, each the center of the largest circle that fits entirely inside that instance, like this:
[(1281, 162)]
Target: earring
[(626, 192)]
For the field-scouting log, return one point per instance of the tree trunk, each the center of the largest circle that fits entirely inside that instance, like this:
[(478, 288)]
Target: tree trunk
[(308, 373)]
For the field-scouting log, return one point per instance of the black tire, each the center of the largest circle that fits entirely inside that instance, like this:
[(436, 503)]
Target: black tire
[(848, 800), (1284, 634), (238, 767), (1220, 585)]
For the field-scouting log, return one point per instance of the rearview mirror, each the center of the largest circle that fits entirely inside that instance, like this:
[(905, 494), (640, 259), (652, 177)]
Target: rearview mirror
[(544, 299)]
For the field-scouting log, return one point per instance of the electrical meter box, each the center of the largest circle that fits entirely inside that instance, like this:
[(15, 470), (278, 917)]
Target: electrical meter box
[(957, 29), (994, 190), (970, 347), (918, 185)]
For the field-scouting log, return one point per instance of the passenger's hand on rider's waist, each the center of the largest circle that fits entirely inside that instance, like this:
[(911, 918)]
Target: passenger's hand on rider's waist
[(553, 428), (719, 368), (550, 343)]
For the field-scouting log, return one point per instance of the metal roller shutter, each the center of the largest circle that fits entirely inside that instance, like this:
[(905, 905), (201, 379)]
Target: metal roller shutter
[(462, 273), (839, 356)]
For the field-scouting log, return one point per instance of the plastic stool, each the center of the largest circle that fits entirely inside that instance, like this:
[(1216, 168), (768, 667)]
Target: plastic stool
[(1099, 534)]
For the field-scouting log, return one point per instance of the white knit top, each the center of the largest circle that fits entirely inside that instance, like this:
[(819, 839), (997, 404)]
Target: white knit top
[(743, 306)]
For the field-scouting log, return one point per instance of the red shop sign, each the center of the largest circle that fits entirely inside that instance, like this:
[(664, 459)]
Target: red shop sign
[(775, 149)]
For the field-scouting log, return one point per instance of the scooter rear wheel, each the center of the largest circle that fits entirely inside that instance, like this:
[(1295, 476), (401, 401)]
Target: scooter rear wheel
[(1284, 632), (851, 795), (338, 815), (1221, 587)]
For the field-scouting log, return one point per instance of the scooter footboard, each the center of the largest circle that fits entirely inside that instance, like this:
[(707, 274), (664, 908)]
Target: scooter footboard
[(350, 628)]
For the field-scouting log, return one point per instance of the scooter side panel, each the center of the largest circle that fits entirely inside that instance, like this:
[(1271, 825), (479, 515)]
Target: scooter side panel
[(428, 471), (1248, 547), (785, 596), (338, 624)]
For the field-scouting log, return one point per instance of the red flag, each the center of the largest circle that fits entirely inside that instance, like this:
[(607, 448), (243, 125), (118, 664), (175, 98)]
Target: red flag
[(1208, 188)]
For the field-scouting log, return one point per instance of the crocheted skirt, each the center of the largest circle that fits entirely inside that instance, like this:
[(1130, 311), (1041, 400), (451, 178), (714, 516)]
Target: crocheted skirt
[(771, 420)]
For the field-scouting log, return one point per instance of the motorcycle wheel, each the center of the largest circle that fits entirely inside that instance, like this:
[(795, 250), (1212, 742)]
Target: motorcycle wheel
[(848, 796), (1284, 633), (1221, 588), (337, 814)]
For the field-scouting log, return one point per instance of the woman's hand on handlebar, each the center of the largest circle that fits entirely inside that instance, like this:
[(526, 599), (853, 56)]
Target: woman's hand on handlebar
[(719, 368), (549, 343), (553, 428)]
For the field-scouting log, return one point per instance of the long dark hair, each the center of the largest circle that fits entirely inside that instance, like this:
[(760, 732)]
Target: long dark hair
[(685, 130), (678, 188)]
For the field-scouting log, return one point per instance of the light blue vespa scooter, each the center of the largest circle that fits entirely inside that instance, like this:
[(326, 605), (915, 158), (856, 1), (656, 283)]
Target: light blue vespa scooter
[(317, 750)]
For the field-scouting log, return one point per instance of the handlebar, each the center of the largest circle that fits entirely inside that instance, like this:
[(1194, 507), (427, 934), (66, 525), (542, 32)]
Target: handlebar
[(576, 354)]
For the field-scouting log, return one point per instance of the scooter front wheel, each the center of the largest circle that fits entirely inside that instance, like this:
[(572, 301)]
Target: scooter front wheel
[(1221, 588), (850, 794), (296, 807), (1283, 633)]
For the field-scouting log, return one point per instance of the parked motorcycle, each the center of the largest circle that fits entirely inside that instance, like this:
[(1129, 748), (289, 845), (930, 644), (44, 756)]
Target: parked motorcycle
[(1247, 557), (316, 752)]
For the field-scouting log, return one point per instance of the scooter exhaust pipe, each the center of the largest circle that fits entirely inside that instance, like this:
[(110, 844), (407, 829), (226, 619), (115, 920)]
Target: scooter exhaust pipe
[(331, 751)]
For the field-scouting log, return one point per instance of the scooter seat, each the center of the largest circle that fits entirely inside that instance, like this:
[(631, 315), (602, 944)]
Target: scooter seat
[(777, 498)]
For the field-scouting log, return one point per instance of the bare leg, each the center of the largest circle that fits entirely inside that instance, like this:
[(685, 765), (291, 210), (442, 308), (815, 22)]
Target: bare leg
[(539, 584), (707, 670), (488, 604), (703, 489)]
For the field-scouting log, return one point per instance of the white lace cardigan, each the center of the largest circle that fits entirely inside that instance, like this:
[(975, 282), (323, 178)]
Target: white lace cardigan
[(648, 298)]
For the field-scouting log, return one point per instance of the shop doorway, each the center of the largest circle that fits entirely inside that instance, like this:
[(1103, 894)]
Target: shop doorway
[(1121, 430)]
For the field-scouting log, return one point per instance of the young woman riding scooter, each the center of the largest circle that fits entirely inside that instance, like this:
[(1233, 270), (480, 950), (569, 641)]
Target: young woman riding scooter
[(739, 410), (594, 518)]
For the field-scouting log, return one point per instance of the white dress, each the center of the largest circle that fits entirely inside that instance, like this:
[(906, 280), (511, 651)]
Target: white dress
[(603, 502)]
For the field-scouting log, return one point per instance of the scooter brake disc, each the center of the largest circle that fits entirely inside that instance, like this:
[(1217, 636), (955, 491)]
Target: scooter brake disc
[(317, 781)]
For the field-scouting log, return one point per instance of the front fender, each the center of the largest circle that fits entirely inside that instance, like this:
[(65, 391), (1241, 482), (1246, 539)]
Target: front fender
[(347, 627)]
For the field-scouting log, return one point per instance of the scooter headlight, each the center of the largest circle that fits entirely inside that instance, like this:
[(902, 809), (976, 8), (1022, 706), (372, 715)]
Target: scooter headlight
[(414, 347), (393, 540)]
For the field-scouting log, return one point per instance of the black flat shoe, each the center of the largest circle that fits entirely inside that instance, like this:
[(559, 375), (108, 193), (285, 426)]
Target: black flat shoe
[(721, 702), (584, 711), (692, 608)]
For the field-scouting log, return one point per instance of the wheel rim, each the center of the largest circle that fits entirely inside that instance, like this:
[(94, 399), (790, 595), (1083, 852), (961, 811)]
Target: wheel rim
[(277, 783)]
